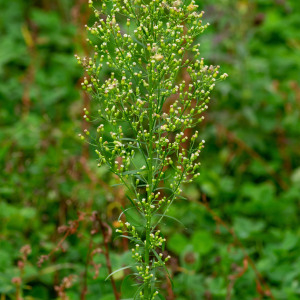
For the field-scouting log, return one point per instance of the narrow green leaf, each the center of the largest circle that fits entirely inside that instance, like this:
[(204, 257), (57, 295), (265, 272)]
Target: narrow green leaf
[(114, 272)]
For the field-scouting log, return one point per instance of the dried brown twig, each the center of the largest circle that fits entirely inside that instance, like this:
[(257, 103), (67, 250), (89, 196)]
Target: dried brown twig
[(107, 233)]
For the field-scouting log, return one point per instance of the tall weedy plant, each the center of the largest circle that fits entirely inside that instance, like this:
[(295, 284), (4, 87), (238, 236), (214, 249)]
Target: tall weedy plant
[(144, 112)]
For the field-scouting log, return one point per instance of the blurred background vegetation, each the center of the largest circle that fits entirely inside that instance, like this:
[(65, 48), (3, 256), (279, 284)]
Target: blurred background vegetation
[(240, 232)]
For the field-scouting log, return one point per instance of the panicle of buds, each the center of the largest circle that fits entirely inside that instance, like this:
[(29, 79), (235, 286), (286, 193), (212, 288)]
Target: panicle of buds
[(139, 136)]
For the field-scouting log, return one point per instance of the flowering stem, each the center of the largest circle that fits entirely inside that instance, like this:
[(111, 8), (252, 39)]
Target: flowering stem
[(141, 68), (147, 289), (147, 255)]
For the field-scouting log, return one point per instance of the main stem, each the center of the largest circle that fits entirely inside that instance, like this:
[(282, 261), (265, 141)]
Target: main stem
[(147, 289)]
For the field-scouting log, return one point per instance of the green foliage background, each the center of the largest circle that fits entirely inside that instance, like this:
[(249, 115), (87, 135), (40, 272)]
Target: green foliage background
[(250, 166)]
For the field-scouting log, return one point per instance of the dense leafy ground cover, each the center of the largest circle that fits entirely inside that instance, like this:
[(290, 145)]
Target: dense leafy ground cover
[(240, 233)]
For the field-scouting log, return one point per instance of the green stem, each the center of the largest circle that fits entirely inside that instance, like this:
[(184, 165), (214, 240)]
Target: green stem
[(147, 257), (148, 225), (147, 289)]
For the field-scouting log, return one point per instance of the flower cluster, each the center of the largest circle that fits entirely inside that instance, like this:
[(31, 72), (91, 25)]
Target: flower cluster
[(145, 111)]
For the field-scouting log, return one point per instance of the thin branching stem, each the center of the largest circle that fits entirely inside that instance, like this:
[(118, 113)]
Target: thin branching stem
[(139, 50)]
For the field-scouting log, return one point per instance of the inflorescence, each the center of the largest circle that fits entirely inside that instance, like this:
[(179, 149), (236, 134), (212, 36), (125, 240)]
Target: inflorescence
[(145, 111)]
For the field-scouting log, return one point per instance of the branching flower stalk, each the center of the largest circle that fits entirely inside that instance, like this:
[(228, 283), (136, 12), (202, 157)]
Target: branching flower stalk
[(144, 111)]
